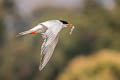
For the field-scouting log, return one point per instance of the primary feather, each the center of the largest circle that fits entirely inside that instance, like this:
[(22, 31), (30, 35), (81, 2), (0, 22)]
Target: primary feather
[(50, 41)]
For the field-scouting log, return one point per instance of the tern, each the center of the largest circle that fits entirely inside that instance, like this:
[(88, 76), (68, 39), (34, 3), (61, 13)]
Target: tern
[(49, 31)]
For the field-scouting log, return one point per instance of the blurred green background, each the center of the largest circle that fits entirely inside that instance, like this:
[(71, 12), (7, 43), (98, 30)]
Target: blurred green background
[(92, 52)]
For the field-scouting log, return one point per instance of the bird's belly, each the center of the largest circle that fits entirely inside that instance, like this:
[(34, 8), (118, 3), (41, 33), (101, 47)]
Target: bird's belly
[(39, 29), (42, 30)]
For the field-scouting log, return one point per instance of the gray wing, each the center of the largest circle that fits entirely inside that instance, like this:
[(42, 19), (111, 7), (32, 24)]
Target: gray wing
[(50, 41)]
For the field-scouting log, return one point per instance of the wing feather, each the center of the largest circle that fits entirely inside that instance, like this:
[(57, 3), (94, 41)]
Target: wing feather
[(50, 41)]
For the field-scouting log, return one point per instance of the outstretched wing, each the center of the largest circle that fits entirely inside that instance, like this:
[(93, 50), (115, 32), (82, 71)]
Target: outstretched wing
[(50, 41)]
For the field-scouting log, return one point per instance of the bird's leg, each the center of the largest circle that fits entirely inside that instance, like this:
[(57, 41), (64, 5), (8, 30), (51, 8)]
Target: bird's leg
[(33, 32)]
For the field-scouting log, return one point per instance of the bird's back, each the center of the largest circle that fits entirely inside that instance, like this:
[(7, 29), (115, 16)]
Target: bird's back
[(52, 23)]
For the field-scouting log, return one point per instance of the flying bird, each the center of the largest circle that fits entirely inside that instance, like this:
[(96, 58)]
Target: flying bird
[(50, 33)]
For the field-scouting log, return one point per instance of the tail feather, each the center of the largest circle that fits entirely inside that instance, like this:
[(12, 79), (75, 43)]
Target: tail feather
[(23, 33)]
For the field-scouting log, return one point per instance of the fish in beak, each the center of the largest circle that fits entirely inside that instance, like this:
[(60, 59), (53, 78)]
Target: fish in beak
[(71, 27)]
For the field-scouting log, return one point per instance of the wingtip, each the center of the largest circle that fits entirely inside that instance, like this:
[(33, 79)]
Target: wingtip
[(40, 68)]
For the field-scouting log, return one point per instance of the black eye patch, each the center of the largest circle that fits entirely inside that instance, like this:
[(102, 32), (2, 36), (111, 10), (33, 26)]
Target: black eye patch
[(64, 22)]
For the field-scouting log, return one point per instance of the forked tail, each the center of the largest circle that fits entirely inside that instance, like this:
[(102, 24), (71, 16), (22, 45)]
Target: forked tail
[(23, 33)]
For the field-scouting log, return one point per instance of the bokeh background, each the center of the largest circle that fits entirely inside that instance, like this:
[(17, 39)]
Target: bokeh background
[(92, 52)]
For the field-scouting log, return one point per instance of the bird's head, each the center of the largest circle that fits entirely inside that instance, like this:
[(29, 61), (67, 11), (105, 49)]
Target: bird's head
[(66, 24)]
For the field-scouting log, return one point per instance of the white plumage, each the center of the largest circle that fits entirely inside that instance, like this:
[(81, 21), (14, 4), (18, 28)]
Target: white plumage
[(50, 33)]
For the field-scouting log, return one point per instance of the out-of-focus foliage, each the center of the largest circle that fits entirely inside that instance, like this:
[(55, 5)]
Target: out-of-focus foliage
[(2, 27), (96, 28), (103, 65), (1, 31)]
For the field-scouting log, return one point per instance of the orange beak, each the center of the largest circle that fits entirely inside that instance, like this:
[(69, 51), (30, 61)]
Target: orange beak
[(69, 25)]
